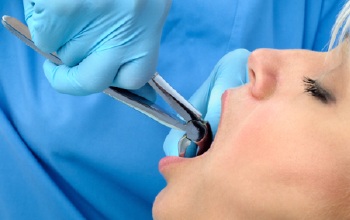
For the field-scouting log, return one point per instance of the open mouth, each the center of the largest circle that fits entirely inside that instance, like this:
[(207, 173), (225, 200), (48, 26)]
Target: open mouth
[(188, 149)]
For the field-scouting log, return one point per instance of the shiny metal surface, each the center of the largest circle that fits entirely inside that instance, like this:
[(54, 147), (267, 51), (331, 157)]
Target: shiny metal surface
[(197, 130)]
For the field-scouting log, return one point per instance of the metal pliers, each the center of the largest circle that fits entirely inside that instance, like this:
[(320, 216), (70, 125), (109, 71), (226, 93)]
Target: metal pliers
[(190, 121)]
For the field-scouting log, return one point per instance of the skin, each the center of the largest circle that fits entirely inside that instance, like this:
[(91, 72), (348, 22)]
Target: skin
[(279, 153)]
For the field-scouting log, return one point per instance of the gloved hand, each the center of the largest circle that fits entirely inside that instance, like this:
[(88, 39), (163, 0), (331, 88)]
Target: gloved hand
[(229, 72), (102, 43)]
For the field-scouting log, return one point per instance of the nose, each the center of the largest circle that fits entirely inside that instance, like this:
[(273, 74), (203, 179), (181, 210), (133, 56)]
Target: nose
[(263, 69)]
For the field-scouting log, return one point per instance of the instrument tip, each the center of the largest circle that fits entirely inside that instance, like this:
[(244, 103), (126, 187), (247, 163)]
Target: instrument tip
[(5, 17)]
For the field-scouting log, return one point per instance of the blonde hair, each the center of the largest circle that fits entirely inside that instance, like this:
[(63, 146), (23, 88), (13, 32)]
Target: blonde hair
[(341, 27), (341, 33)]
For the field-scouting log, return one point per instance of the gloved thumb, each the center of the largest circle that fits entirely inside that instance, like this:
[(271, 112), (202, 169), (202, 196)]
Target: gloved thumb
[(65, 79)]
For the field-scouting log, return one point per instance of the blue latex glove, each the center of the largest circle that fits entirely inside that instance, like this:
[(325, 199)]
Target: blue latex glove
[(229, 72), (102, 43)]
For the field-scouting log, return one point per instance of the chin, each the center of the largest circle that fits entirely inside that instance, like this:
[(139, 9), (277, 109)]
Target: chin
[(159, 210), (168, 205)]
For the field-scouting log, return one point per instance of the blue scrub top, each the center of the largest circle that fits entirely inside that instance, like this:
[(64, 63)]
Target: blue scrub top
[(66, 157)]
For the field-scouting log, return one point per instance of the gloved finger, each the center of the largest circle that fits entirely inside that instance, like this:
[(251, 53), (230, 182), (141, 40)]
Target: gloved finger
[(73, 87), (94, 74), (51, 23), (146, 92), (229, 72), (136, 72), (199, 101), (28, 6), (61, 78), (170, 145), (66, 80), (100, 70)]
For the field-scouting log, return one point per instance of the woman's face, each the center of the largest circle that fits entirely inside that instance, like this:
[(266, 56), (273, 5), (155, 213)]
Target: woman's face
[(279, 153)]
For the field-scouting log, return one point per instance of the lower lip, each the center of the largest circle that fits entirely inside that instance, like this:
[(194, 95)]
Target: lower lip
[(165, 162)]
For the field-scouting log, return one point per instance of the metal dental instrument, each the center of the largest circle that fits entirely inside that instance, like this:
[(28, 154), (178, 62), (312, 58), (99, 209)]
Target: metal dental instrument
[(196, 129)]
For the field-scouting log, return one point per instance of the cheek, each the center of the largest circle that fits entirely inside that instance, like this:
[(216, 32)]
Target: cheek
[(280, 144), (272, 155)]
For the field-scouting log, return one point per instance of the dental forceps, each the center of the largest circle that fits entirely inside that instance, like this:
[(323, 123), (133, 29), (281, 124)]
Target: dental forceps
[(191, 122)]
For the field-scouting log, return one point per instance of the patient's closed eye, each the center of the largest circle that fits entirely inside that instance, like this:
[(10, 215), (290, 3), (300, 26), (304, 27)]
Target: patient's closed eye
[(314, 88)]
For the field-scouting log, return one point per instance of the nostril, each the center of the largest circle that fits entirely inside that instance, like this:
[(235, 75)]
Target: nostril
[(263, 86), (33, 4), (262, 73), (252, 76)]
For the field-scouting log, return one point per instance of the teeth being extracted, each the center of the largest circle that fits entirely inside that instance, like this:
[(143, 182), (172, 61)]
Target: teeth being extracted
[(197, 131)]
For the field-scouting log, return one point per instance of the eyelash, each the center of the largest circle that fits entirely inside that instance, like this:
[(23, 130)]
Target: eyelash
[(313, 88)]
